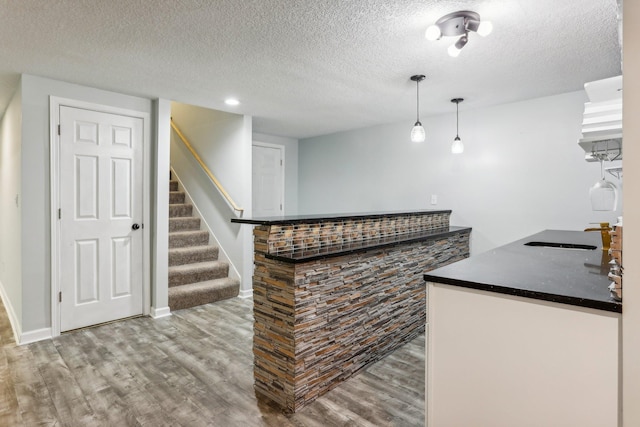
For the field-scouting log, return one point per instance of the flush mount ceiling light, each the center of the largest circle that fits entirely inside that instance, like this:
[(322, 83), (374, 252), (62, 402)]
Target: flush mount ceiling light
[(232, 101), (457, 147), (458, 24), (417, 133)]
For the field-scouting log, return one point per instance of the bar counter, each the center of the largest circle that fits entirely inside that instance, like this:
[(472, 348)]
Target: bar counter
[(335, 293), (568, 276)]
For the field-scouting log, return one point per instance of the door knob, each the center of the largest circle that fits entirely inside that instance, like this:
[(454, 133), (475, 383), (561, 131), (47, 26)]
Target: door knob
[(135, 226)]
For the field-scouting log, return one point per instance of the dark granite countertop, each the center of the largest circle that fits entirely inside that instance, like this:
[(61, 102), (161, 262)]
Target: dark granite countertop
[(569, 276), (339, 250), (311, 218)]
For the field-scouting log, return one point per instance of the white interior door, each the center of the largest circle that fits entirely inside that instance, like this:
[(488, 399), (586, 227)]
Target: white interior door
[(268, 180), (101, 259)]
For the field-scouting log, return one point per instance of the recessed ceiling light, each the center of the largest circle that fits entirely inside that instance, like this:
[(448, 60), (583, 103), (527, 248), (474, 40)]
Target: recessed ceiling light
[(231, 101)]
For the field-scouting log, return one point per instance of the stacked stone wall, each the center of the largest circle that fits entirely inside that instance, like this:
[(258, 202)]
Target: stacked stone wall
[(288, 238), (320, 322)]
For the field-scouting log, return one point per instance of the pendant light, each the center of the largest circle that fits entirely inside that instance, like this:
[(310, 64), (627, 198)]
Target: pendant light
[(417, 133), (457, 147)]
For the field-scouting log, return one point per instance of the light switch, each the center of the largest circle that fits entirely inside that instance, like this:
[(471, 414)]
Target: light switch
[(434, 199)]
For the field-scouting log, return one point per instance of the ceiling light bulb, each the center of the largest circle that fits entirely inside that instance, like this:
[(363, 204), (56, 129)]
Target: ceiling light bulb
[(417, 133), (453, 50), (433, 32), (457, 147), (232, 101), (485, 28)]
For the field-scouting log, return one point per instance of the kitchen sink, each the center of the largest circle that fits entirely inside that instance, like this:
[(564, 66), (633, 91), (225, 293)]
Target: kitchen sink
[(573, 246)]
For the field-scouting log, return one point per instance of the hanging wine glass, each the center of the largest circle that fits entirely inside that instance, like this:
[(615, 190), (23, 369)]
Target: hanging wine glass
[(603, 194)]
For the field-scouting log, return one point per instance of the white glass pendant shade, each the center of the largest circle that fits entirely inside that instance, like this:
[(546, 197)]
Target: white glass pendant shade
[(604, 196), (485, 28), (418, 133), (433, 33), (457, 147)]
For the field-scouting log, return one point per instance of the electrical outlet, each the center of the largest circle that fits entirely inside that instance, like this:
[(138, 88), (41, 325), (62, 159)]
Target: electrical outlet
[(434, 199)]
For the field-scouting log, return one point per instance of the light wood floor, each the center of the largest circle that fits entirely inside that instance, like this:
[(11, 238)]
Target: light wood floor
[(194, 368)]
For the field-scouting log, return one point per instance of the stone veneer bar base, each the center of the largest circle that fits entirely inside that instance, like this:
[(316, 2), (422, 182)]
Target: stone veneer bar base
[(319, 322)]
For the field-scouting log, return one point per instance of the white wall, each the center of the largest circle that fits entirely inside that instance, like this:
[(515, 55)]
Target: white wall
[(290, 168), (223, 141), (36, 230), (522, 170), (10, 213), (631, 242)]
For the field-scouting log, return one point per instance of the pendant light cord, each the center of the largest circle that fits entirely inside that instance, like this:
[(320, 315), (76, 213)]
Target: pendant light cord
[(417, 101), (457, 118)]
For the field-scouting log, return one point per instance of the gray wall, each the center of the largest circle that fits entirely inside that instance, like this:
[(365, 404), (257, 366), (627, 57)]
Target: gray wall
[(10, 212), (522, 170), (36, 229), (160, 210)]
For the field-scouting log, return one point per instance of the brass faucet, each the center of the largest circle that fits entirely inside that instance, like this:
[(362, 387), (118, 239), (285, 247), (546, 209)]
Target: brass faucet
[(604, 231)]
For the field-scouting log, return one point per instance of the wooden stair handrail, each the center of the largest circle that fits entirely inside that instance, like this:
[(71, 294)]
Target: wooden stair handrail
[(206, 170)]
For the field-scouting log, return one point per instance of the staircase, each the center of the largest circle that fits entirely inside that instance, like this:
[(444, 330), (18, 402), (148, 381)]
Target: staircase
[(196, 276)]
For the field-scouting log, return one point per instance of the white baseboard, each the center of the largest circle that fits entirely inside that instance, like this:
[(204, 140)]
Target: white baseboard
[(13, 319), (157, 313), (37, 335), (245, 293), (20, 337)]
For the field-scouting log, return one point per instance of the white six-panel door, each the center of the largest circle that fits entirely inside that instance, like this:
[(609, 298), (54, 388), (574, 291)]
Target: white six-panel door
[(101, 262), (268, 180)]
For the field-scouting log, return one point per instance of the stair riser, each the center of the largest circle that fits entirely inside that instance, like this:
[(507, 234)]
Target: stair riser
[(173, 185), (178, 301), (184, 224), (210, 253), (187, 277), (180, 210), (176, 197), (195, 239)]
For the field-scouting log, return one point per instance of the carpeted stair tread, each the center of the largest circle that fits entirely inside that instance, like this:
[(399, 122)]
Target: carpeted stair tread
[(180, 210), (180, 275), (176, 197), (187, 223), (205, 292), (192, 254), (183, 239), (196, 276)]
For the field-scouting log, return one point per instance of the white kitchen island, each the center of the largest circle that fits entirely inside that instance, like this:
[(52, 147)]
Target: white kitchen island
[(524, 336)]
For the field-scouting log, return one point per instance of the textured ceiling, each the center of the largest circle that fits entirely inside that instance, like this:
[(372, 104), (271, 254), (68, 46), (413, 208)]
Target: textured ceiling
[(308, 67)]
